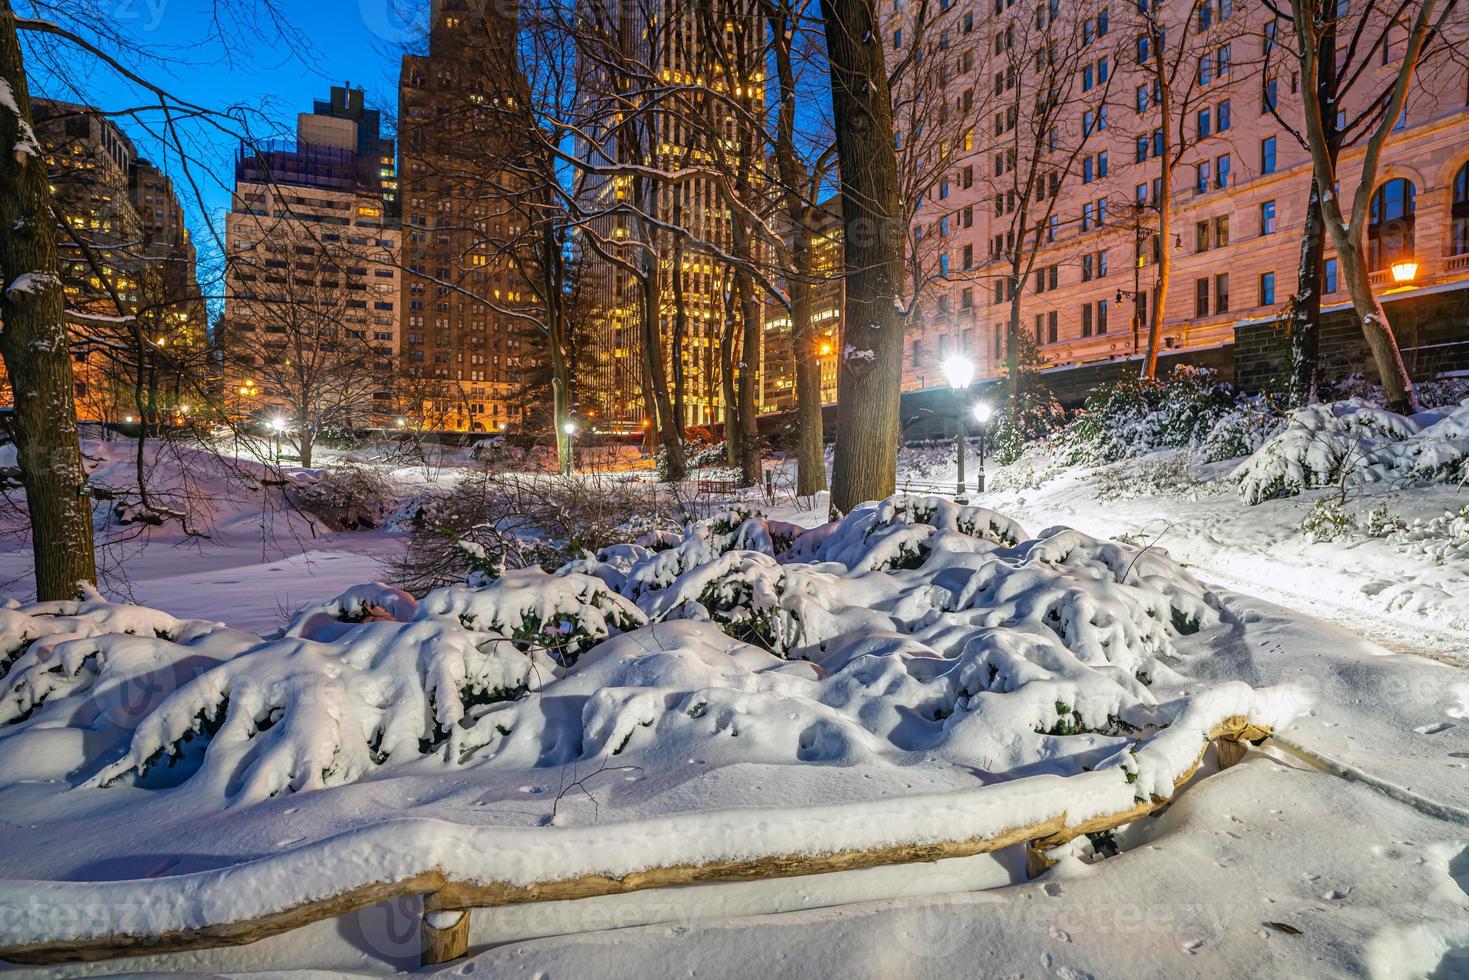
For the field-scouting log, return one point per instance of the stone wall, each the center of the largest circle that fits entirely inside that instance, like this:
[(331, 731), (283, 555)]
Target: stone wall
[(1432, 331)]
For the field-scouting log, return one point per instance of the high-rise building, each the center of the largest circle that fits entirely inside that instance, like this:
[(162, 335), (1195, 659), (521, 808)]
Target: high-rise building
[(468, 314), (696, 293), (125, 261), (1239, 199), (311, 278), (826, 298), (328, 125)]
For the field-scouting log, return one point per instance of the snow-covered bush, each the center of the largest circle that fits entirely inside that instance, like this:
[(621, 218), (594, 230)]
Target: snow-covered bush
[(911, 628), (1436, 453), (1321, 445), (491, 521), (298, 715), (118, 657), (1016, 426), (1164, 474), (561, 614), (1134, 416), (1240, 431), (1326, 521), (344, 498)]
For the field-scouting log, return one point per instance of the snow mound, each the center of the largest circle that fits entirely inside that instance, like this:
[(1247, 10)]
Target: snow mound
[(1320, 446), (915, 626), (298, 714)]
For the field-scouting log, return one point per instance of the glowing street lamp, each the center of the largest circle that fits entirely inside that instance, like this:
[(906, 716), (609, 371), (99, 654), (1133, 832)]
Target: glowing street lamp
[(569, 427), (277, 426), (1404, 270), (982, 413), (960, 372)]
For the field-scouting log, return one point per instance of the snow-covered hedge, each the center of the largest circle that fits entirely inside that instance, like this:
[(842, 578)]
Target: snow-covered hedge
[(1352, 442), (1134, 416), (912, 625)]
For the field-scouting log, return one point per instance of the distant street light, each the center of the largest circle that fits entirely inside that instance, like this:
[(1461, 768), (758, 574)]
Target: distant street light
[(982, 413), (569, 427), (277, 426), (960, 372), (1404, 270)]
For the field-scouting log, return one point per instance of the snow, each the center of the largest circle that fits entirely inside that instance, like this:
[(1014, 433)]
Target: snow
[(33, 283), (918, 671)]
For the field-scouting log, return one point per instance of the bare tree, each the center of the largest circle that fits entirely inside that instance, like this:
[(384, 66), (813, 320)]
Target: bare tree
[(872, 356), (295, 324), (1048, 114), (1349, 101), (1181, 51), (34, 344), (1420, 21)]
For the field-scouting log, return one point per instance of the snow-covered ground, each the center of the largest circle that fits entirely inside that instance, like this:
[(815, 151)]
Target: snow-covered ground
[(936, 650)]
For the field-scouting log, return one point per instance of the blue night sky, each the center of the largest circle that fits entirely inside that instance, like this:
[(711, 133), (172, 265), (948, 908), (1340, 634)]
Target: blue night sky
[(269, 71)]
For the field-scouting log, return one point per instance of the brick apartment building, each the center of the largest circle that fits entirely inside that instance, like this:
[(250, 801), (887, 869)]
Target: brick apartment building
[(468, 314), (124, 253), (1239, 201)]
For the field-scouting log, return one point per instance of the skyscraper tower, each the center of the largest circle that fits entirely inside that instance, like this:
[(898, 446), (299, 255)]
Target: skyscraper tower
[(466, 334)]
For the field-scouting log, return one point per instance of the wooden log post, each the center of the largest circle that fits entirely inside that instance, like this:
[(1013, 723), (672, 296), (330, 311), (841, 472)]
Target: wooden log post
[(1229, 752), (445, 935)]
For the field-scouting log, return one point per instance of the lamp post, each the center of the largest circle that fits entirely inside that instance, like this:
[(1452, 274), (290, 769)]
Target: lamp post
[(569, 427), (982, 413), (960, 372), (277, 426)]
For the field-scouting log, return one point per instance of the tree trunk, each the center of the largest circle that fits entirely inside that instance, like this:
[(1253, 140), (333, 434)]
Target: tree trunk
[(1012, 330), (1305, 311), (727, 379), (675, 465), (1149, 367), (810, 451), (1397, 389), (872, 344), (749, 377), (810, 455), (35, 347)]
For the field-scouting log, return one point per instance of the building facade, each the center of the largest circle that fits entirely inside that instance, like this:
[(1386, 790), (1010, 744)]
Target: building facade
[(311, 281), (697, 315), (127, 267), (468, 339), (1241, 185)]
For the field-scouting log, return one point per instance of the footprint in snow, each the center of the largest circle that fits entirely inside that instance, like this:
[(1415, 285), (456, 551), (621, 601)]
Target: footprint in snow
[(1435, 729), (1060, 935)]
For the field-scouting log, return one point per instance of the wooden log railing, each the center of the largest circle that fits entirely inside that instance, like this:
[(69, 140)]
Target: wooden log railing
[(448, 903)]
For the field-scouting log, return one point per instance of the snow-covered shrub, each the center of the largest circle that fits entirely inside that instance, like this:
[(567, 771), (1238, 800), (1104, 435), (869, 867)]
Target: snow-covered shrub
[(1319, 446), (1033, 414), (560, 614), (1164, 474), (119, 656), (298, 715), (715, 456), (1442, 539), (1326, 521), (344, 498), (736, 529), (1016, 426), (366, 603), (1134, 416), (1382, 522), (1240, 431), (946, 515), (491, 521), (1436, 453)]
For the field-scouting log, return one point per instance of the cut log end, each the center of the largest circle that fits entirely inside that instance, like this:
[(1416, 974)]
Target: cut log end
[(1229, 751), (444, 935)]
